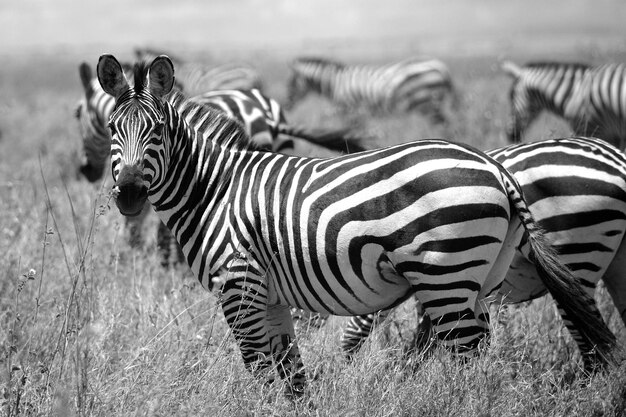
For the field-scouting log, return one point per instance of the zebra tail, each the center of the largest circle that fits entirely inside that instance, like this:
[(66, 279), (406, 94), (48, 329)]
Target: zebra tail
[(511, 69), (339, 140), (561, 283)]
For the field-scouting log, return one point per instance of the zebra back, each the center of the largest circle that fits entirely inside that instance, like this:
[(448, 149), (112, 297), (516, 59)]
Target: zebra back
[(538, 86), (398, 86)]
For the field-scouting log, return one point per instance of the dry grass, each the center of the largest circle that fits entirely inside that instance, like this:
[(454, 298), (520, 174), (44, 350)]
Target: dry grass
[(91, 327)]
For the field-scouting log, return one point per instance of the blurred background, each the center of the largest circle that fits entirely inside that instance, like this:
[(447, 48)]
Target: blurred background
[(451, 27)]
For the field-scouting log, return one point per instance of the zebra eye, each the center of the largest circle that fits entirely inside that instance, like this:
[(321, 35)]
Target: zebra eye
[(112, 128)]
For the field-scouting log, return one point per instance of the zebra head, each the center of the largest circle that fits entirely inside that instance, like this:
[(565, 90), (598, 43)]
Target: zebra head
[(137, 127), (91, 117)]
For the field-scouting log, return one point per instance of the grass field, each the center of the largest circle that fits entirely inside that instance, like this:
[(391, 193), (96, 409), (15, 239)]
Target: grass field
[(90, 326)]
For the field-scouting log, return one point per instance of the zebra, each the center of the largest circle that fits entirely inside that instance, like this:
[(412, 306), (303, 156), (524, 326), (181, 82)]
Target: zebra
[(591, 99), (264, 121), (267, 129), (576, 189), (261, 116), (196, 78), (333, 235), (400, 86)]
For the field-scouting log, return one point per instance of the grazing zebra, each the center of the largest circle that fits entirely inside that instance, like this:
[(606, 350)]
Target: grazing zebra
[(195, 78), (264, 121), (591, 99), (576, 190), (400, 86), (347, 235)]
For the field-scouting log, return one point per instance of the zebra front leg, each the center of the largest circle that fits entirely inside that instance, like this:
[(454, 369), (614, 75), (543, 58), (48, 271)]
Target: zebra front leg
[(285, 349)]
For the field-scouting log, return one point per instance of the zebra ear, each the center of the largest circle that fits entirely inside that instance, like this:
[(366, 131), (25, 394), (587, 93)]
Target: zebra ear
[(111, 76), (161, 77), (84, 70)]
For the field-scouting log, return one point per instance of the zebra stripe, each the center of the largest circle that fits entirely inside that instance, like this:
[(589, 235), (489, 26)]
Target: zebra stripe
[(591, 99), (196, 78), (576, 190), (400, 86), (347, 235)]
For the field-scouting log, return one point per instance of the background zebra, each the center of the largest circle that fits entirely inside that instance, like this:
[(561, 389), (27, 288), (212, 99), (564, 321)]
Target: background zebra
[(289, 231), (400, 86), (591, 99), (264, 121), (576, 190), (196, 78)]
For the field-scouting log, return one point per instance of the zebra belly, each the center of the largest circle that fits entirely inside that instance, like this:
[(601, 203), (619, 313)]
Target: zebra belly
[(363, 295)]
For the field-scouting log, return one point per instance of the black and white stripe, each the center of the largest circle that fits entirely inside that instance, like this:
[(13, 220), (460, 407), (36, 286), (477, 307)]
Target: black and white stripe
[(576, 190), (591, 99), (400, 86), (348, 235)]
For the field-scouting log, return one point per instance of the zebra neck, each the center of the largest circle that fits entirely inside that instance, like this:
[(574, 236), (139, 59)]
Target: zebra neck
[(191, 195)]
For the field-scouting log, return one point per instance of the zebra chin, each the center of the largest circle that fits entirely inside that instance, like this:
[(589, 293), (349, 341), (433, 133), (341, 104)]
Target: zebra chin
[(132, 194)]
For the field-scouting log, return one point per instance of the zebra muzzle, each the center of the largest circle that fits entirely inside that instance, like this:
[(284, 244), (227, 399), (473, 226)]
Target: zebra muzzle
[(131, 191)]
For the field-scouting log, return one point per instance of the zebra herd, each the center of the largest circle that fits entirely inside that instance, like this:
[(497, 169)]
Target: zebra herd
[(360, 233)]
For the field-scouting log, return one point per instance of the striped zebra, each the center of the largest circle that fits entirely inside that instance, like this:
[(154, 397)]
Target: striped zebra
[(402, 86), (591, 99), (576, 189), (261, 116), (264, 121), (196, 78), (267, 129), (348, 235)]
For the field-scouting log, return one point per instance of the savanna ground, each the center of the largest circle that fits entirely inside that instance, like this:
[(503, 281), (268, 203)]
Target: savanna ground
[(90, 326)]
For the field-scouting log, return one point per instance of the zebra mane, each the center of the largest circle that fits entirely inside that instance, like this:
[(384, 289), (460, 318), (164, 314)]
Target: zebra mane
[(140, 75), (557, 65), (229, 131)]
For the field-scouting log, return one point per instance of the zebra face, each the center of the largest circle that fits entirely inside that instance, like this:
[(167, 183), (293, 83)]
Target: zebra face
[(136, 147), (137, 124)]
